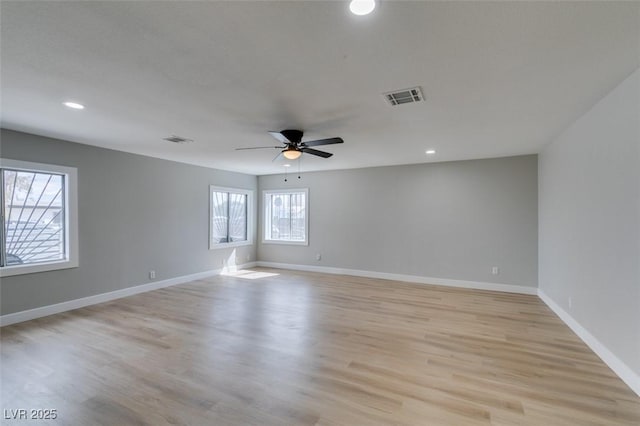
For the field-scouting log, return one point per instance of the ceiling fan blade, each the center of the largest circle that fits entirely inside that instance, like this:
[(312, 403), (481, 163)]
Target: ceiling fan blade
[(259, 147), (279, 136), (316, 152), (276, 157), (323, 142)]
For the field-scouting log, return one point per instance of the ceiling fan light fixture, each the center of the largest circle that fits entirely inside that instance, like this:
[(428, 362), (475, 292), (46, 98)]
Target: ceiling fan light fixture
[(291, 154), (362, 7)]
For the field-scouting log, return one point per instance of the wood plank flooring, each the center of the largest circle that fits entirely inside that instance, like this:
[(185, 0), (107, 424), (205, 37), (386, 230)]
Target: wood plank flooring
[(280, 347)]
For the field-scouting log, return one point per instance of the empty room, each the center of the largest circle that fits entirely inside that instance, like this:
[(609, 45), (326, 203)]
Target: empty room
[(320, 213)]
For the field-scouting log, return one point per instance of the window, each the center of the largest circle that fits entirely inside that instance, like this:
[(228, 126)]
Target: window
[(285, 216), (39, 229), (229, 223)]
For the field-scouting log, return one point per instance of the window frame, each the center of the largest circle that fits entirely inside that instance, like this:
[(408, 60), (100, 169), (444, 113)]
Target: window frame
[(70, 221), (266, 216), (250, 215)]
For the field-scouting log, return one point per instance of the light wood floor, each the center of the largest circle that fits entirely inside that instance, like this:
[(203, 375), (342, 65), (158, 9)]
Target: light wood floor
[(311, 349)]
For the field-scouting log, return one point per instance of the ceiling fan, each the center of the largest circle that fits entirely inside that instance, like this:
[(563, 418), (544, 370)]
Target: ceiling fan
[(293, 147)]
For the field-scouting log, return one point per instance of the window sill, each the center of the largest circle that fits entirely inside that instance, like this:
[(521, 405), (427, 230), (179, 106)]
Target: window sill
[(229, 245), (9, 271), (286, 243)]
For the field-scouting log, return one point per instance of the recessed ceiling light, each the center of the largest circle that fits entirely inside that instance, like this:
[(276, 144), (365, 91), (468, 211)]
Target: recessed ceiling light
[(74, 105), (287, 165), (362, 7), (430, 151)]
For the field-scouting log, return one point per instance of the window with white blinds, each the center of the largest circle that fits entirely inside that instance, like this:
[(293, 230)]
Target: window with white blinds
[(229, 217), (286, 216)]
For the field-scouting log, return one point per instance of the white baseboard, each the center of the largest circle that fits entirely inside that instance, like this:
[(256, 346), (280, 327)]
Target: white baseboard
[(623, 371), (106, 297), (508, 288)]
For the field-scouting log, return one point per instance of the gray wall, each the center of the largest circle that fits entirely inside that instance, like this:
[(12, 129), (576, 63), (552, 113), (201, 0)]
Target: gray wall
[(136, 213), (450, 220), (590, 221)]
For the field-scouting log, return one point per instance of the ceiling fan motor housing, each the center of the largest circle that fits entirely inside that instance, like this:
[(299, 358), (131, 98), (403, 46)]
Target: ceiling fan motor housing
[(294, 136)]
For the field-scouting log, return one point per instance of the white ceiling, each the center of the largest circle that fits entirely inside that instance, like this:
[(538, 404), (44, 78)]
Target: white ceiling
[(500, 78)]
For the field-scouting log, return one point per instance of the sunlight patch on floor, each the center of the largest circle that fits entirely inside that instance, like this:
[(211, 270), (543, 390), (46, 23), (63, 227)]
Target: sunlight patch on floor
[(249, 274)]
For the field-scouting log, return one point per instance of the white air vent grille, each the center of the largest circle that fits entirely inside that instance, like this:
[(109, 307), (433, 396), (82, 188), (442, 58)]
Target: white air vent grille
[(404, 96), (178, 139)]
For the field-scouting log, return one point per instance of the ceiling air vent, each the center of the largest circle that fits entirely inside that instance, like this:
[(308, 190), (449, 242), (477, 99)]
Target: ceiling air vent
[(404, 96), (178, 139)]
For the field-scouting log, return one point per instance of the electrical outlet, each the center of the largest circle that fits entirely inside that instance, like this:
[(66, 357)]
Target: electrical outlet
[(152, 274), (570, 303), (318, 256), (495, 270), (248, 257)]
